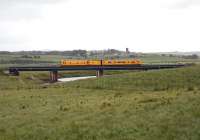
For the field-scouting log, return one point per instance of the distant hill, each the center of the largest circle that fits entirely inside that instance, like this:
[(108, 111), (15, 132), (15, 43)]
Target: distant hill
[(109, 53), (181, 53)]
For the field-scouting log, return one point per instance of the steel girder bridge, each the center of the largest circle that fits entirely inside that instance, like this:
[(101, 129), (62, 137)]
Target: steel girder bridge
[(99, 69)]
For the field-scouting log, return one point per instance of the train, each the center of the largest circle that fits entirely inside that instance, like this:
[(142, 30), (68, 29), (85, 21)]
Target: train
[(99, 62)]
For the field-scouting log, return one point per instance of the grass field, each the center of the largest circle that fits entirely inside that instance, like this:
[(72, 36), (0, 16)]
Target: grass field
[(158, 59), (152, 105)]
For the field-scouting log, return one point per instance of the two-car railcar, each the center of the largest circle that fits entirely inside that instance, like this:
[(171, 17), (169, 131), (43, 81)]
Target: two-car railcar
[(99, 62)]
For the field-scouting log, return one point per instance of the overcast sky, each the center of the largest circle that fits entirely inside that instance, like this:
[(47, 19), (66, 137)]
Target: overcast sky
[(141, 25)]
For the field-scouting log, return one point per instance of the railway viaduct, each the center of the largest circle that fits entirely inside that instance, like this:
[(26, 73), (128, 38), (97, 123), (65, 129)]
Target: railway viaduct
[(99, 69)]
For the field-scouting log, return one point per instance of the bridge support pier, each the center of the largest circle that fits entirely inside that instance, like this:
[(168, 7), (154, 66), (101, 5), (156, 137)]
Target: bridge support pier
[(99, 73), (53, 76)]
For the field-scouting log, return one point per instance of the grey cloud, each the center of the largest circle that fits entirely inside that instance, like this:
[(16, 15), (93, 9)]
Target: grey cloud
[(16, 12), (186, 4), (8, 40), (22, 9), (5, 2), (7, 43)]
